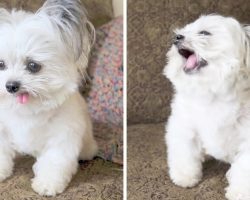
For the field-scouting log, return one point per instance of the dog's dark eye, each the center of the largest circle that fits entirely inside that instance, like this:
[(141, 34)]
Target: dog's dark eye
[(2, 65), (33, 67), (204, 33)]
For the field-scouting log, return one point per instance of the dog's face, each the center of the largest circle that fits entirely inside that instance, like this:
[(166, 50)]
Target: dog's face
[(209, 50), (41, 54)]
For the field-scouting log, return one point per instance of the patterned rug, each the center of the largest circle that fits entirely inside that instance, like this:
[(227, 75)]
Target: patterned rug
[(95, 180), (147, 169)]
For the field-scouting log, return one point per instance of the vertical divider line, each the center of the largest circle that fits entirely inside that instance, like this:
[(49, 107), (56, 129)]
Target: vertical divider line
[(125, 100)]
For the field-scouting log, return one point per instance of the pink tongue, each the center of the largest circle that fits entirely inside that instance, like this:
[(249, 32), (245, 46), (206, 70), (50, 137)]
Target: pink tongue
[(23, 98), (191, 62)]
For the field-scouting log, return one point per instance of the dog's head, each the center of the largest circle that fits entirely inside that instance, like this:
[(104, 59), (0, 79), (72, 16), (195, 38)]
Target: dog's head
[(42, 53), (209, 50)]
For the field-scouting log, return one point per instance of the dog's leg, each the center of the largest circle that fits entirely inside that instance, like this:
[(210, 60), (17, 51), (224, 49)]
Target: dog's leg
[(54, 170), (7, 155), (184, 154), (89, 149), (238, 178)]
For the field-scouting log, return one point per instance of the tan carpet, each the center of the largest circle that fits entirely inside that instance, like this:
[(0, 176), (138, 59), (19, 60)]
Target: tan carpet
[(96, 180), (147, 170)]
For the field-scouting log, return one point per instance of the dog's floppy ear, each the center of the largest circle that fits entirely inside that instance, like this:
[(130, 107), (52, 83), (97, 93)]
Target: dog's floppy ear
[(241, 37), (246, 28), (70, 17), (246, 45)]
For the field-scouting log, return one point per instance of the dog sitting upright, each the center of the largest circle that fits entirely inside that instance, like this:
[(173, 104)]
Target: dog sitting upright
[(209, 66), (41, 111)]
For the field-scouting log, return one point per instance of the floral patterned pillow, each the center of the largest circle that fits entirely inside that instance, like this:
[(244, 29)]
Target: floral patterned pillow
[(106, 71), (105, 98)]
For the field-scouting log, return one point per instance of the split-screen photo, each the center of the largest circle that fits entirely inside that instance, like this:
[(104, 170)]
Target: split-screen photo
[(124, 100)]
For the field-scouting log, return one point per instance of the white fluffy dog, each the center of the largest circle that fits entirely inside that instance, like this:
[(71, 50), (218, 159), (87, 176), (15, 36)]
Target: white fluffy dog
[(209, 66), (41, 111)]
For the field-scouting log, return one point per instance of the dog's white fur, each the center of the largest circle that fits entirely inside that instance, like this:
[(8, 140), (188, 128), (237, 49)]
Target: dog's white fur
[(54, 126), (211, 108)]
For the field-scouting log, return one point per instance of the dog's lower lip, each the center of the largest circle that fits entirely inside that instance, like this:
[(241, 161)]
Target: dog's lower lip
[(202, 63), (186, 53)]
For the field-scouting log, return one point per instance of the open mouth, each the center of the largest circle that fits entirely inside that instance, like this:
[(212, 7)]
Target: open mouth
[(193, 63)]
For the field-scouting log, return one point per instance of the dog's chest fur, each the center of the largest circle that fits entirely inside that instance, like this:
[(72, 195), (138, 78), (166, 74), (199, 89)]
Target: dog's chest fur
[(26, 134), (216, 125)]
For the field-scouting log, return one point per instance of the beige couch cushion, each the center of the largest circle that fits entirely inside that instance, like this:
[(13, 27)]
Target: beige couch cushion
[(99, 11), (147, 169), (94, 180)]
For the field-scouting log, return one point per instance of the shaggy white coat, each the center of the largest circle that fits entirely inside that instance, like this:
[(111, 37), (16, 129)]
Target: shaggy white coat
[(53, 125), (211, 107)]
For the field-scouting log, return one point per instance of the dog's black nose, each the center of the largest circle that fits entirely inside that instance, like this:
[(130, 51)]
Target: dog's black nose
[(178, 38), (12, 86)]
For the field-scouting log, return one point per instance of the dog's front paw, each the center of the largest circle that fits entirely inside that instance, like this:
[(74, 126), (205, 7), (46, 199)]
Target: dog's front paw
[(185, 177), (237, 193), (47, 187), (5, 173), (6, 169)]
